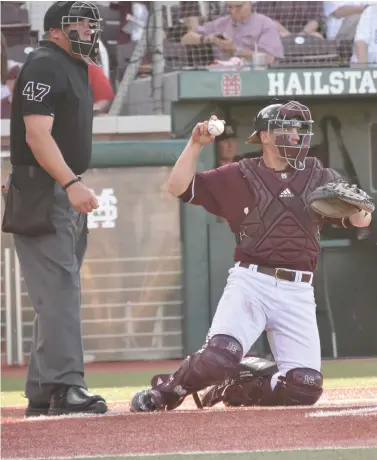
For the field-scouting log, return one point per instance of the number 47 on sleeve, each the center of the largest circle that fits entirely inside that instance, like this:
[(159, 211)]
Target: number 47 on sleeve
[(36, 91)]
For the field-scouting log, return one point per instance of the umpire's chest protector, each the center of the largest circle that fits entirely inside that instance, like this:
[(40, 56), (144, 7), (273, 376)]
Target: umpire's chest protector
[(281, 227)]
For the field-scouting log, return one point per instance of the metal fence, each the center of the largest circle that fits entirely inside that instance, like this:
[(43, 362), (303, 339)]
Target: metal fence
[(131, 276)]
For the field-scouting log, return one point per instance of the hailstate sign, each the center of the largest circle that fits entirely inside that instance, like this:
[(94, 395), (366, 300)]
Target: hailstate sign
[(316, 83), (332, 82)]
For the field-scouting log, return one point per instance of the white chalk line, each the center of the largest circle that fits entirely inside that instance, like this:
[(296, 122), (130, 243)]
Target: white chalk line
[(364, 411), (208, 411), (324, 402)]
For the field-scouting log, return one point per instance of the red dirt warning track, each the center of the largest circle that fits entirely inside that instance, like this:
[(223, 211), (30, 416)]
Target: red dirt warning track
[(188, 430)]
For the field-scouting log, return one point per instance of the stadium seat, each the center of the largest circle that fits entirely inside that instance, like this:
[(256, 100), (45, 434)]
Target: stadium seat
[(178, 56), (308, 51), (19, 53), (12, 14), (15, 24)]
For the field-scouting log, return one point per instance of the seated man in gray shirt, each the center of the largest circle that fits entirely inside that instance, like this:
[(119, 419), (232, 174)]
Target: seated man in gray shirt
[(240, 33)]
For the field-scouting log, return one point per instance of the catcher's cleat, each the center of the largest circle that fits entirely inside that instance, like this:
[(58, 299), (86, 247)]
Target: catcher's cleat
[(147, 401)]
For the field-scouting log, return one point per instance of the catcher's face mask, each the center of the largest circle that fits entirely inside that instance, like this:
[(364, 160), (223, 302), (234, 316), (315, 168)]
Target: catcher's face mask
[(82, 28), (292, 132)]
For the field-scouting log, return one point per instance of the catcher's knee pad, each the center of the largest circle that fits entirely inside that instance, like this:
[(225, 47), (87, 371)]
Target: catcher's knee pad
[(301, 386), (215, 362)]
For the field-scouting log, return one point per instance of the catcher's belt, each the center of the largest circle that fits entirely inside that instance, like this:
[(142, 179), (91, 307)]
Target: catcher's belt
[(281, 273), (339, 200)]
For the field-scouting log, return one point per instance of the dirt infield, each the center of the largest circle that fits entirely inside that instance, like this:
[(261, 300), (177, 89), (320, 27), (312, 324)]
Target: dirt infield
[(335, 422), (343, 418)]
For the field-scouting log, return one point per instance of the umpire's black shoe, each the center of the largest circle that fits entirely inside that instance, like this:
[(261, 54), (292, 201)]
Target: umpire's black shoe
[(35, 409), (74, 399)]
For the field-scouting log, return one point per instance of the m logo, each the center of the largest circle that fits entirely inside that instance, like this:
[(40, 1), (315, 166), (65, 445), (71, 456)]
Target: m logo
[(231, 85), (106, 214), (232, 347), (308, 380)]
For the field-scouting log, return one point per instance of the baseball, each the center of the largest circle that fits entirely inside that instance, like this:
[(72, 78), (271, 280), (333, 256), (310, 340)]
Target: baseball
[(216, 127)]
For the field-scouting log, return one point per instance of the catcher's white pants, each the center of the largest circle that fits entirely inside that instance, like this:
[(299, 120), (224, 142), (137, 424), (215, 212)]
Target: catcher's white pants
[(253, 302)]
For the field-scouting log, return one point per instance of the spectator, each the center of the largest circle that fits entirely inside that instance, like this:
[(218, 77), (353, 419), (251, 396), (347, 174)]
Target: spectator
[(239, 34), (6, 66), (342, 18), (189, 13), (6, 102), (102, 90), (365, 49), (297, 18), (130, 31), (226, 145), (104, 58)]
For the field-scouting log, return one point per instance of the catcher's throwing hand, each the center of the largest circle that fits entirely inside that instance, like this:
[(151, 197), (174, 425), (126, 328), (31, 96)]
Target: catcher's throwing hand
[(339, 200), (361, 219), (200, 134)]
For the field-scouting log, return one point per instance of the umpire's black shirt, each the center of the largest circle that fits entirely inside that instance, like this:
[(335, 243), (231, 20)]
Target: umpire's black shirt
[(53, 83)]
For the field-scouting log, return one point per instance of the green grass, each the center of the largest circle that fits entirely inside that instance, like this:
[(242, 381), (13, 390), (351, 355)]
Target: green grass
[(118, 386), (355, 453)]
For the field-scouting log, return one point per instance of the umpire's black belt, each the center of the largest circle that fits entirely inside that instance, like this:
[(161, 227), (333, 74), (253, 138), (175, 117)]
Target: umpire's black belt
[(280, 273)]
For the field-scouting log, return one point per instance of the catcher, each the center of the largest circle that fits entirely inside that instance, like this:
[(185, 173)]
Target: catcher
[(276, 206)]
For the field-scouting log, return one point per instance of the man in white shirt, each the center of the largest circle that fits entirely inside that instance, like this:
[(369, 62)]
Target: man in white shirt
[(365, 49), (336, 13)]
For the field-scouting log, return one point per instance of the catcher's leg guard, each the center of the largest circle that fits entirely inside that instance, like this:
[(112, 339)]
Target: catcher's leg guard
[(246, 369), (301, 386), (215, 362)]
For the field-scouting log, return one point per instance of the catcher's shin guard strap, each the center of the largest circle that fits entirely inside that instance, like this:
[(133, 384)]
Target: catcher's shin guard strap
[(197, 400)]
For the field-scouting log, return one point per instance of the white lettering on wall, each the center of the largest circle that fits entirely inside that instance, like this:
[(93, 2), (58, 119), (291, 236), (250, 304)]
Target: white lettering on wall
[(318, 83)]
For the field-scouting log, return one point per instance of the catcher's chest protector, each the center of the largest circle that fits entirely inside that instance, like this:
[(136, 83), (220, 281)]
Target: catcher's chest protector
[(281, 228)]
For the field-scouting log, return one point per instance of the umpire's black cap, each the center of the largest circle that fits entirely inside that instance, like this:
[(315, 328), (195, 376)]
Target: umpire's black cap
[(54, 15)]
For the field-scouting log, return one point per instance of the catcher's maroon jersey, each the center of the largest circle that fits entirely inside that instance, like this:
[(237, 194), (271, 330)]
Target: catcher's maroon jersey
[(267, 209)]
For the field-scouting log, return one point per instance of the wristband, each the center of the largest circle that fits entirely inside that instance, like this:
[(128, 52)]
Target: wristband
[(71, 182)]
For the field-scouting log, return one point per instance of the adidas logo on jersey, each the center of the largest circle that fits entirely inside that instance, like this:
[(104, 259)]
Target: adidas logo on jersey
[(286, 193)]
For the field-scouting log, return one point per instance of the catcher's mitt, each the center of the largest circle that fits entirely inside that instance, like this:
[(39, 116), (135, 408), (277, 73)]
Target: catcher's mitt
[(340, 199)]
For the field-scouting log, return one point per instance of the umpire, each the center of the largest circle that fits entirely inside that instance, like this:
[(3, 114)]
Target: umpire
[(47, 203)]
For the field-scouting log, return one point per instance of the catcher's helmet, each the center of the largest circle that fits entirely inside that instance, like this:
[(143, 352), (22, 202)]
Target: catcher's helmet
[(280, 119), (63, 14)]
